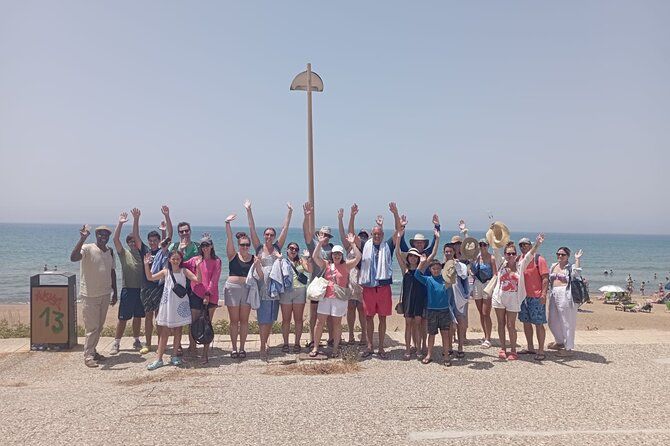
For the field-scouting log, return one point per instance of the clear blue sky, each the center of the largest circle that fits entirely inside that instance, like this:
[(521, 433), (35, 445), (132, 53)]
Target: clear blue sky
[(552, 115)]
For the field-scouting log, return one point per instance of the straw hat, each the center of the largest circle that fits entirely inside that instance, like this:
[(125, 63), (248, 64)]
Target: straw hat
[(414, 252), (103, 228), (470, 248), (498, 234), (449, 272), (456, 239), (418, 238)]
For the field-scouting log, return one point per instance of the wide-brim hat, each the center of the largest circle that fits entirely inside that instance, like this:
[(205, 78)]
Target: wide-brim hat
[(325, 230), (414, 252), (470, 248), (449, 272), (103, 228), (418, 238), (498, 235), (456, 239)]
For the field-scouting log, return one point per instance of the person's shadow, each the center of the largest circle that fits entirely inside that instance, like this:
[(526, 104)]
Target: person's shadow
[(116, 361)]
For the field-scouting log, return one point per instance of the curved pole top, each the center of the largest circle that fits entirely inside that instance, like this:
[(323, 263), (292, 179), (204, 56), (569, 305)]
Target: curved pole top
[(300, 82)]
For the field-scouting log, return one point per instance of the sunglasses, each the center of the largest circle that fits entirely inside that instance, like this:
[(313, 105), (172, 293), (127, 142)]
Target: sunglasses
[(483, 244), (205, 245), (561, 254), (293, 248), (245, 245), (510, 254), (184, 231)]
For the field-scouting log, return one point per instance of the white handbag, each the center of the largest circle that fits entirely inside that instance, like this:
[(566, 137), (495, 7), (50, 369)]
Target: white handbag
[(317, 289)]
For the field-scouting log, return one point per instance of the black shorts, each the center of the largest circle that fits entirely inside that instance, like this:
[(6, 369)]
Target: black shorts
[(196, 303), (438, 319), (130, 305)]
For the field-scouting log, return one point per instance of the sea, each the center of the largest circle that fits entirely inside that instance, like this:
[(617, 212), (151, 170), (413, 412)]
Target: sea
[(29, 248)]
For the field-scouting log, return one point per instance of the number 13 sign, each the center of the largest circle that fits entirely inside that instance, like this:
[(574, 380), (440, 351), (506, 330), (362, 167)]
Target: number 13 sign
[(49, 314)]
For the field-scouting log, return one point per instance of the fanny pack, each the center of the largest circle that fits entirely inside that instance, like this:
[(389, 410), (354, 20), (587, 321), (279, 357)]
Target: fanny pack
[(177, 288), (302, 277)]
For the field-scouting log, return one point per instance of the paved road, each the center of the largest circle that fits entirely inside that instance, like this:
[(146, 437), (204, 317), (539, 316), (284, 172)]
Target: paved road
[(608, 394)]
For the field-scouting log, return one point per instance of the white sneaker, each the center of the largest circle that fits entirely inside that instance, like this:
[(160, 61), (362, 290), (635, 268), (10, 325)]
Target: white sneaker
[(486, 344), (115, 349)]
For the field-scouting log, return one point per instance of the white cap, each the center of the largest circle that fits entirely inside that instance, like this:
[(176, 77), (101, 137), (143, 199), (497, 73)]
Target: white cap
[(338, 248)]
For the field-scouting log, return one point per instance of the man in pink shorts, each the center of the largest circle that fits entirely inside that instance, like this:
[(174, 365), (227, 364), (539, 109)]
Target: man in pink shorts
[(376, 277)]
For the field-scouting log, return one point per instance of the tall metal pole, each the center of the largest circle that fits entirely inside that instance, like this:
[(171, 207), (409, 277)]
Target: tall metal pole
[(310, 155)]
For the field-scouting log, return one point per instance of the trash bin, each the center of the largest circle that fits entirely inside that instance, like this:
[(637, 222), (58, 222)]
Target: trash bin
[(53, 311)]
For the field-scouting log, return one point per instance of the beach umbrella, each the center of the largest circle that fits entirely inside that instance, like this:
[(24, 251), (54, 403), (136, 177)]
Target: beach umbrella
[(611, 289)]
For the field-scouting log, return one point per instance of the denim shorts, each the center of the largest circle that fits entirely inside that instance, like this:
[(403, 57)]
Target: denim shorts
[(130, 304), (268, 312), (532, 311)]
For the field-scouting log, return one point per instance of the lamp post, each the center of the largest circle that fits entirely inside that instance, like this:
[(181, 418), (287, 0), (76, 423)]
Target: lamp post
[(309, 81)]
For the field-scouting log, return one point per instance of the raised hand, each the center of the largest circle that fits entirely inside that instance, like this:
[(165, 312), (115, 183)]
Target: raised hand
[(288, 205), (135, 213), (147, 259), (354, 209), (123, 217), (162, 226), (393, 207), (230, 218), (400, 232), (340, 213), (305, 253), (85, 231), (436, 233), (307, 208), (436, 220), (461, 225), (540, 239), (247, 204), (403, 220), (351, 238), (578, 254), (323, 239), (165, 210), (423, 258), (379, 221)]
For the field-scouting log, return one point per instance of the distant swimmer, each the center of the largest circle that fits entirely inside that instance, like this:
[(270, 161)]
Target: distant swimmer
[(611, 273), (605, 272)]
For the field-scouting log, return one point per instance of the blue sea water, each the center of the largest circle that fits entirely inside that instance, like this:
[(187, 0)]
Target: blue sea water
[(28, 247)]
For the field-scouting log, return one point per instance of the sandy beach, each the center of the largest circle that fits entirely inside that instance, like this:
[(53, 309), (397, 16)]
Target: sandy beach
[(595, 316)]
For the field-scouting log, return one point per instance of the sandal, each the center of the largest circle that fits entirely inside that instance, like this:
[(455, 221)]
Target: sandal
[(234, 354), (309, 345), (447, 362), (555, 346), (296, 348), (426, 360), (176, 361), (540, 357), (154, 365), (486, 344), (179, 351), (502, 354), (460, 354), (512, 356), (285, 348), (243, 354), (381, 353), (313, 354), (366, 353), (407, 356)]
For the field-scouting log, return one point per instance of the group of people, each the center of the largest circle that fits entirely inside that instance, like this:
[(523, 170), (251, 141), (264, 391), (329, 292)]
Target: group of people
[(172, 284)]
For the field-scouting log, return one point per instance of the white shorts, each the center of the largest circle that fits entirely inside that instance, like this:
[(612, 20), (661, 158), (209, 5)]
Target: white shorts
[(478, 290), (507, 301), (332, 306)]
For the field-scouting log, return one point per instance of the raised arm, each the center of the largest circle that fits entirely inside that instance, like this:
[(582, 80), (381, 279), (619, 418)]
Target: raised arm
[(436, 225), (307, 226), (578, 260), (252, 226), (397, 237), (230, 247), (75, 255), (340, 227), (123, 217), (396, 217), (306, 265), (168, 222), (351, 263), (436, 245), (136, 228), (284, 229), (147, 270), (316, 255), (352, 221)]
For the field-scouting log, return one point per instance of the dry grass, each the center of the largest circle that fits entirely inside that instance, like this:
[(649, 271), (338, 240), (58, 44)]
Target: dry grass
[(318, 368)]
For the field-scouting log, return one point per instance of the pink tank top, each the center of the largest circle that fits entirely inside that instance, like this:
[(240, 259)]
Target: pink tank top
[(336, 274)]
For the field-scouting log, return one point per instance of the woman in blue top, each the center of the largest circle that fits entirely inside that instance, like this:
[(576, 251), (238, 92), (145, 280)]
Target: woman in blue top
[(439, 306)]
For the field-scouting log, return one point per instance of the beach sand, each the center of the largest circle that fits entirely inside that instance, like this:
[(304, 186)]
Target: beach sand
[(595, 316)]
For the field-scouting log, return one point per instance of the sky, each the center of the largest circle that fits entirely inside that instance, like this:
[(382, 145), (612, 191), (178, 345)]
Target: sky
[(550, 116)]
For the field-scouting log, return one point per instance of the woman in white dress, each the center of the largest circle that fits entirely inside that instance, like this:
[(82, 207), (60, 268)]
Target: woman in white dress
[(174, 312)]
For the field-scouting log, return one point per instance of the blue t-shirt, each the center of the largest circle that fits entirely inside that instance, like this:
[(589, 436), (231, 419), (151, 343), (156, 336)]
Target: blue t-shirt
[(439, 296)]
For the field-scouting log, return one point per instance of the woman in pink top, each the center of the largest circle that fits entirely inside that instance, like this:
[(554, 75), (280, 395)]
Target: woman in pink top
[(337, 275), (205, 294)]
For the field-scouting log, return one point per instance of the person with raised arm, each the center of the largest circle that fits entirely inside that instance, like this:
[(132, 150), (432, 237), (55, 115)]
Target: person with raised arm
[(419, 241), (132, 267), (151, 292), (483, 269), (413, 297), (292, 301), (562, 309), (356, 302), (376, 277), (533, 307), (174, 312), (509, 293), (205, 295), (97, 282), (235, 291), (336, 272)]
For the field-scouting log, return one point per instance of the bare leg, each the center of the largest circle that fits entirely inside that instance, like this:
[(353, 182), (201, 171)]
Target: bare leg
[(329, 324), (337, 333), (417, 335), (541, 334), (528, 331), (462, 328), (409, 330), (298, 312), (244, 324), (286, 312), (500, 315), (234, 315), (431, 344), (370, 329), (446, 344), (163, 336), (120, 329), (382, 332), (362, 320), (137, 325), (511, 327), (149, 327), (424, 334), (351, 320), (312, 319), (318, 331), (265, 330), (487, 323), (205, 353)]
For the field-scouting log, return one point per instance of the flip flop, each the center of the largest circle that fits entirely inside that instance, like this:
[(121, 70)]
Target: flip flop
[(381, 354), (296, 348), (243, 354), (460, 354), (313, 354), (512, 356), (366, 353), (502, 354), (540, 357), (426, 360), (234, 354), (447, 362)]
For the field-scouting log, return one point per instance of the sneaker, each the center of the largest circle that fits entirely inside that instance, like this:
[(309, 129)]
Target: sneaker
[(144, 350), (90, 362), (137, 345), (115, 349), (156, 364), (98, 357), (176, 360)]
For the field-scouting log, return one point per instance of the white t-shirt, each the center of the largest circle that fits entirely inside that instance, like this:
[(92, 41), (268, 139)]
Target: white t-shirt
[(95, 271)]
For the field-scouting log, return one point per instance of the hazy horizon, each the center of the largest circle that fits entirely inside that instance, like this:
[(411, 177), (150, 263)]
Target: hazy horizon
[(551, 116)]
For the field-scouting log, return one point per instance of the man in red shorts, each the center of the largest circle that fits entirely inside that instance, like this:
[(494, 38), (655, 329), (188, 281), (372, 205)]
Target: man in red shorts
[(376, 277)]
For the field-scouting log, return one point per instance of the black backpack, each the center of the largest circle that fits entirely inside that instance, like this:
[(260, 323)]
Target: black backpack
[(202, 330), (578, 289)]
